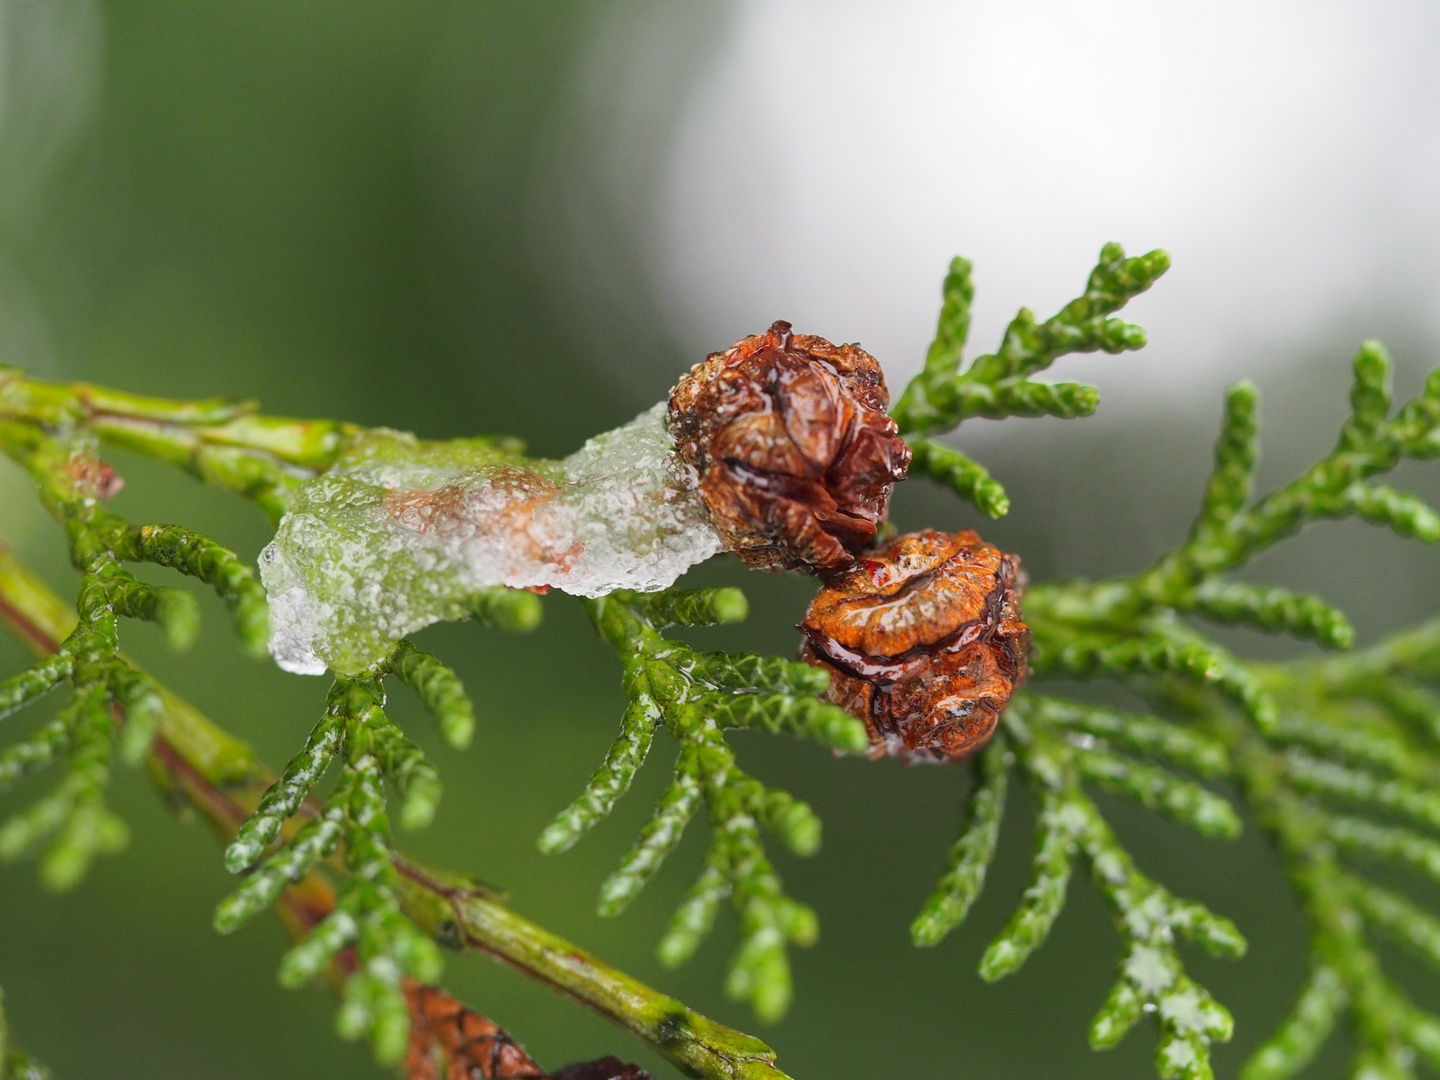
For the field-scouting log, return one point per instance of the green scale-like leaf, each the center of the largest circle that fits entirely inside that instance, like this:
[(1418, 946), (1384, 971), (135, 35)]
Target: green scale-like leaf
[(351, 828), (695, 696)]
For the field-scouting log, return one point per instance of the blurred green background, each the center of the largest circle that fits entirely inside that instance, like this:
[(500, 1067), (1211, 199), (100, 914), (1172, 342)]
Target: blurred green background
[(343, 209)]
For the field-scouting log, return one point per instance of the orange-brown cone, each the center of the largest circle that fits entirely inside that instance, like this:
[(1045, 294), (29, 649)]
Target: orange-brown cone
[(923, 641), (795, 452)]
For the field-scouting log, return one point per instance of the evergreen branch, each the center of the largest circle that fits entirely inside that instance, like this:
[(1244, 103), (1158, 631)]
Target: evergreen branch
[(1156, 789), (624, 758), (1232, 478), (1412, 705), (769, 919), (219, 776), (745, 672), (998, 384), (1126, 628), (174, 611), (28, 756), (1342, 730), (969, 479), (1155, 646), (115, 704), (953, 327), (72, 822), (354, 716), (1361, 729), (694, 696), (351, 828), (972, 853), (776, 713), (1021, 398), (34, 682), (1318, 776), (1040, 905), (737, 868), (515, 610), (1277, 611), (1143, 734), (367, 914), (1345, 973), (452, 909), (315, 841), (1058, 754), (1401, 658), (1399, 918), (1363, 837), (439, 689), (695, 918), (657, 839), (1335, 486), (222, 443), (693, 607), (1151, 976), (1422, 1032), (284, 797), (200, 557), (1226, 533), (416, 780)]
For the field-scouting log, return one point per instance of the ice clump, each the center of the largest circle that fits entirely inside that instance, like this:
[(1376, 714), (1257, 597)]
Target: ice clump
[(400, 533)]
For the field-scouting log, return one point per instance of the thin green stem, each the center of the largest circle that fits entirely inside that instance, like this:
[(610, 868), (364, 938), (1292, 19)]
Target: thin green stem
[(226, 444), (454, 911)]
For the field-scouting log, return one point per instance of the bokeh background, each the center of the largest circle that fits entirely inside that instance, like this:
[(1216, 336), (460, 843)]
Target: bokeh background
[(465, 217)]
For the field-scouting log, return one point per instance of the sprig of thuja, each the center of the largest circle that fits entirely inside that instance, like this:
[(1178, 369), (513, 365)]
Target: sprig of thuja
[(1293, 746), (49, 427), (291, 833), (1063, 747), (1349, 777), (52, 431), (114, 703), (1000, 384), (196, 764), (696, 696), (1132, 622), (1297, 738), (1337, 758)]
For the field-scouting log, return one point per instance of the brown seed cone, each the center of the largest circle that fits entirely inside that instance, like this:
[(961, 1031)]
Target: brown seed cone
[(923, 641), (795, 453), (445, 1034), (608, 1068)]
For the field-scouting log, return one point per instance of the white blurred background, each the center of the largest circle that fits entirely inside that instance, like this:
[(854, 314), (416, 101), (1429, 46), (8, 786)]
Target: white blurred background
[(822, 161)]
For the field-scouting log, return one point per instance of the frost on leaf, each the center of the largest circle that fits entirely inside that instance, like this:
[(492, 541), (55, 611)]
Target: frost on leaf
[(400, 533)]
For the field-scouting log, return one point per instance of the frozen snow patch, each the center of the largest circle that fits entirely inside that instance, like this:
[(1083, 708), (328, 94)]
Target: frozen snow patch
[(399, 534)]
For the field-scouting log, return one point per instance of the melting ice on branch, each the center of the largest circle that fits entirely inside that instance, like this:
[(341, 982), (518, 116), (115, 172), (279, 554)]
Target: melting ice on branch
[(401, 533)]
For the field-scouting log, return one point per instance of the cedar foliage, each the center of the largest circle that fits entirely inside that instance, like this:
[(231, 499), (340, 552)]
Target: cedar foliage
[(1337, 758)]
